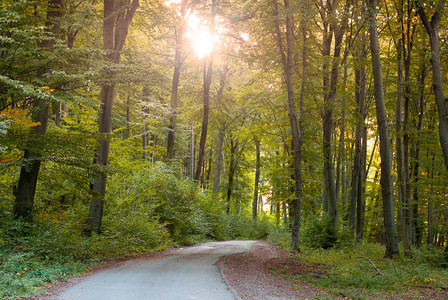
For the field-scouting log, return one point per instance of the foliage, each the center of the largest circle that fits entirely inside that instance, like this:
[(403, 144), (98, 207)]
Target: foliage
[(280, 235), (151, 203), (315, 234), (348, 269)]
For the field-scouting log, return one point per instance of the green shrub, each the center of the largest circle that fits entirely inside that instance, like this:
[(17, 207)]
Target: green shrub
[(280, 235), (164, 195), (315, 233)]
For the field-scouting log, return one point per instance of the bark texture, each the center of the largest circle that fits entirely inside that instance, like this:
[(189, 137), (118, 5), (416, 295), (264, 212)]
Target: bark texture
[(117, 18), (390, 232), (287, 61)]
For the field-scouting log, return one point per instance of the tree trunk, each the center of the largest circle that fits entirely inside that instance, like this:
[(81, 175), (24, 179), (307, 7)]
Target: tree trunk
[(287, 61), (399, 133), (191, 166), (145, 129), (232, 168), (206, 180), (257, 178), (340, 172), (416, 159), (356, 208), (361, 200), (201, 150), (220, 137), (386, 178), (218, 161), (432, 28), (117, 18), (330, 82), (208, 70), (178, 60), (29, 172)]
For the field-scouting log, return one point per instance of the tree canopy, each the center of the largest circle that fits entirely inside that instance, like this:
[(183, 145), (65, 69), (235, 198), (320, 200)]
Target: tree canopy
[(175, 114)]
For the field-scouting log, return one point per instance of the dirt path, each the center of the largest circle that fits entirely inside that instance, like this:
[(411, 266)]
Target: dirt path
[(260, 274), (252, 275)]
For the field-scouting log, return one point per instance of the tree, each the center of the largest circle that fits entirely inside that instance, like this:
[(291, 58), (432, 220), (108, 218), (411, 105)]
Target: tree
[(257, 178), (207, 71), (178, 61), (386, 179), (432, 28), (117, 18), (331, 27), (29, 172), (287, 62)]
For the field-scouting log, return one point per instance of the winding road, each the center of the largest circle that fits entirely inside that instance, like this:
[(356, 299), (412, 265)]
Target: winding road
[(188, 273)]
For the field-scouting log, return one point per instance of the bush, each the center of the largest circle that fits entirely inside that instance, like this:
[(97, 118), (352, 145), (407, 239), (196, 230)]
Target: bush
[(164, 195), (280, 235), (315, 233)]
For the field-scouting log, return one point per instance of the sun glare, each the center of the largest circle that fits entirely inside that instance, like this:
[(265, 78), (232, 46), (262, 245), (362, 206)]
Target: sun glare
[(171, 2), (203, 43), (202, 40)]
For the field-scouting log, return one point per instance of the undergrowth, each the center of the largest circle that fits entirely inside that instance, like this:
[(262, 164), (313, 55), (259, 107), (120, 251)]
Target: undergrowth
[(347, 269), (145, 211)]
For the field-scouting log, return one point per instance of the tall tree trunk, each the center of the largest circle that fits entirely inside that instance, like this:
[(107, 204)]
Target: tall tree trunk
[(29, 172), (208, 70), (178, 60), (416, 159), (340, 172), (361, 200), (399, 133), (257, 179), (432, 28), (220, 137), (356, 209), (330, 82), (386, 178), (287, 61), (357, 160), (203, 140), (117, 18)]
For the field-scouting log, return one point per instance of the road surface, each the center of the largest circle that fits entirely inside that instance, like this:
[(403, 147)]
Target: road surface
[(189, 273)]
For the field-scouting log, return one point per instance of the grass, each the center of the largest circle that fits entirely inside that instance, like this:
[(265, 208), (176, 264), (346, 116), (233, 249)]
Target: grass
[(23, 274), (349, 274), (348, 271)]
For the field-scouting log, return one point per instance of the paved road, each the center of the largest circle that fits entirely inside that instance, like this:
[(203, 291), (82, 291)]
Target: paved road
[(189, 273)]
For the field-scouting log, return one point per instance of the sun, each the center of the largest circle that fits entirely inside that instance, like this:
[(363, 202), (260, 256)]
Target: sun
[(202, 39), (203, 43)]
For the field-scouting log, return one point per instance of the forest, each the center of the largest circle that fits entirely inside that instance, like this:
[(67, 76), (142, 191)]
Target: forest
[(130, 126)]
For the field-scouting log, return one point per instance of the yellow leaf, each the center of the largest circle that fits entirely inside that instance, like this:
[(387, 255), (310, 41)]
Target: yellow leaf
[(18, 116)]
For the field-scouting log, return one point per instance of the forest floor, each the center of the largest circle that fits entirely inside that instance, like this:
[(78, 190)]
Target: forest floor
[(266, 272)]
